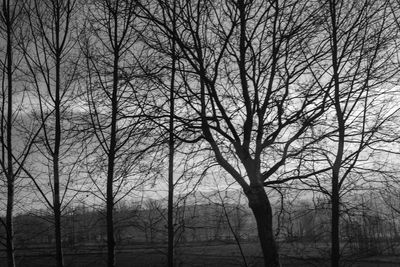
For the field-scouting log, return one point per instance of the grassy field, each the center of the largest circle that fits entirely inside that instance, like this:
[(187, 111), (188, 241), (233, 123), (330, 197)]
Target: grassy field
[(196, 255)]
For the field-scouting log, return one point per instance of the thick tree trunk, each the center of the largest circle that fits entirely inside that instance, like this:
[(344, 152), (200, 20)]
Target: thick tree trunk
[(335, 242), (261, 207)]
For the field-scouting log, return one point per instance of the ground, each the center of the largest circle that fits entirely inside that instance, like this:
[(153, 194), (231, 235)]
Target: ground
[(195, 255)]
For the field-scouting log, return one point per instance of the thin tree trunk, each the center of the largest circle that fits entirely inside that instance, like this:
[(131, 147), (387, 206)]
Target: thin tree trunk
[(56, 153), (261, 207), (110, 206), (110, 209), (111, 162), (57, 214), (335, 198), (171, 154), (10, 171), (56, 172), (171, 190)]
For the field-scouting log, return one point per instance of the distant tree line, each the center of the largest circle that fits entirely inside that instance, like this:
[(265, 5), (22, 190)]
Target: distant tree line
[(364, 233)]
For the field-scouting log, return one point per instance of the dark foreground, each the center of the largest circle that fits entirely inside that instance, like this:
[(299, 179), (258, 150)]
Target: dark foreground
[(209, 255)]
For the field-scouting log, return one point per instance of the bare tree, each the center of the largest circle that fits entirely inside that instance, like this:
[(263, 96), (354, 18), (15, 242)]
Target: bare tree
[(8, 17), (51, 62), (16, 144), (358, 71), (247, 89), (114, 95)]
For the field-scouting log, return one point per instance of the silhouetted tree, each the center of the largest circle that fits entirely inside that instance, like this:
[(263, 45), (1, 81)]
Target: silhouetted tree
[(247, 89), (17, 134), (115, 93), (51, 62), (357, 71)]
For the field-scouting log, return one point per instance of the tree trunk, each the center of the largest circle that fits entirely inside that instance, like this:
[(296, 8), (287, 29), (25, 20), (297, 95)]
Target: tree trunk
[(57, 220), (110, 227), (111, 160), (171, 144), (110, 198), (261, 207), (10, 171), (56, 171), (335, 254), (110, 193), (171, 201), (56, 153), (335, 198), (10, 223)]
